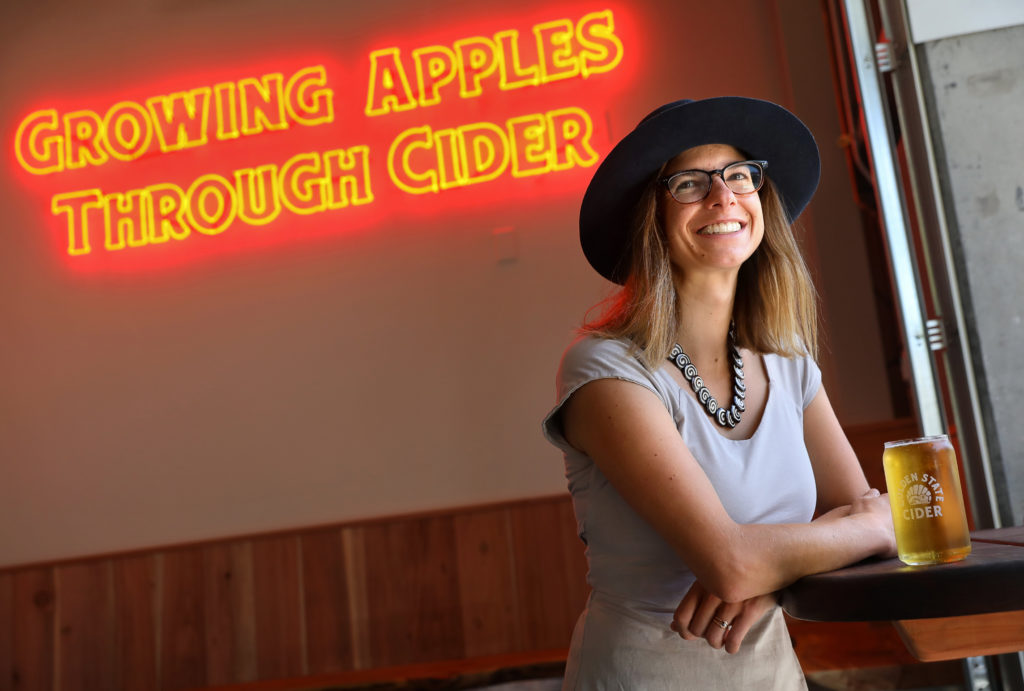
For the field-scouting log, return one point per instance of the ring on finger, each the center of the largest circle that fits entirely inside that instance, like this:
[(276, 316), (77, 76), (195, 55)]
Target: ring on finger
[(721, 623)]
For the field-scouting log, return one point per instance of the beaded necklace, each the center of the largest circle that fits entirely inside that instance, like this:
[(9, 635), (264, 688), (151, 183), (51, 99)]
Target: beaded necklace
[(725, 417)]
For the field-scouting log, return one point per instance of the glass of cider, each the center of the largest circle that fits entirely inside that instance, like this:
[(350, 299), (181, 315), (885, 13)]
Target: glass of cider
[(927, 503)]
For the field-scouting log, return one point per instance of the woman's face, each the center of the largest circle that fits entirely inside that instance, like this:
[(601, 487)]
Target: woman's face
[(719, 232)]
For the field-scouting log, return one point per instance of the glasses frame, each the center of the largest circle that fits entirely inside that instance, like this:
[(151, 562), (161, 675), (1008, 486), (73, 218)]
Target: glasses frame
[(761, 165)]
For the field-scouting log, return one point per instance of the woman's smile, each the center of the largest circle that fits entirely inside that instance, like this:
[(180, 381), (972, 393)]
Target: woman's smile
[(721, 228)]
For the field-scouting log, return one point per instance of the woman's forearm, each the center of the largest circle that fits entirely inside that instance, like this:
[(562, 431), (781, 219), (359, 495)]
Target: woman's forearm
[(755, 559)]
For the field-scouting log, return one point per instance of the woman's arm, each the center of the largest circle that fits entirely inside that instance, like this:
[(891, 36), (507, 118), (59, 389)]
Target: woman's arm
[(628, 432), (837, 472)]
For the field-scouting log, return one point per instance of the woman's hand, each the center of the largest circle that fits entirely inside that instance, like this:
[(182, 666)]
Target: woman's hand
[(699, 615), (874, 506), (872, 512)]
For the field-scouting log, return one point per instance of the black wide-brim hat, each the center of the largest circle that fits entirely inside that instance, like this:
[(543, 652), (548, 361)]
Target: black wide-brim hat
[(760, 129)]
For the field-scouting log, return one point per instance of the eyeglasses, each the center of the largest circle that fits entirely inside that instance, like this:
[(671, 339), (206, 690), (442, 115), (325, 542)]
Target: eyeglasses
[(689, 186)]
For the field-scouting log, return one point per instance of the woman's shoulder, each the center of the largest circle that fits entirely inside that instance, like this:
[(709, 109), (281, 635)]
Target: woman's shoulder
[(800, 374), (592, 357), (589, 347)]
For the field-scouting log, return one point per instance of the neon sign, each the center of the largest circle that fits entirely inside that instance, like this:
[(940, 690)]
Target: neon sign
[(305, 184), (422, 159), (48, 143), (562, 49), (479, 152)]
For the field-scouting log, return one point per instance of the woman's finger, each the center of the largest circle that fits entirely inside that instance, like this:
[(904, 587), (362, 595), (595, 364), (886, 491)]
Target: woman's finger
[(741, 625), (702, 616), (722, 622), (684, 612)]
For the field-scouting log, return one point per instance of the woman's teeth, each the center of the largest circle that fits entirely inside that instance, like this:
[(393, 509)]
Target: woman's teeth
[(719, 228)]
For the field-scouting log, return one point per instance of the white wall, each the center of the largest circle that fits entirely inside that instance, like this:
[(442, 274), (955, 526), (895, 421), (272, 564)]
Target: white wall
[(401, 367)]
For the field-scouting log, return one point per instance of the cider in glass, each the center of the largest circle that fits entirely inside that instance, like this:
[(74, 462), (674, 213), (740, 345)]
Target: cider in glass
[(927, 502)]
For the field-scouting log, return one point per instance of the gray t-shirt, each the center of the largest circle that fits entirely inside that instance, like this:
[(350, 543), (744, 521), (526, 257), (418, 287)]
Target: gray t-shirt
[(764, 479)]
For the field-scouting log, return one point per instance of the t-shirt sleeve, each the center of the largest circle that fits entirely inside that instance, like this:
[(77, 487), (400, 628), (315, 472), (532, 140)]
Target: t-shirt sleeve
[(810, 379), (586, 360)]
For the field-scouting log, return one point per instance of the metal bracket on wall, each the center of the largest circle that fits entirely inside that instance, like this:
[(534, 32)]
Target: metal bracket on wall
[(936, 334), (884, 57)]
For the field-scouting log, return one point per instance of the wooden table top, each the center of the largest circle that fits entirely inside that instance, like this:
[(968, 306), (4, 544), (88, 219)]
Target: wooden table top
[(990, 579), (1003, 536)]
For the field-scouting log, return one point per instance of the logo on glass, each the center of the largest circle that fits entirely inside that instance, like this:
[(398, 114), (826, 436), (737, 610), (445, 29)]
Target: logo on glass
[(927, 502), (921, 497)]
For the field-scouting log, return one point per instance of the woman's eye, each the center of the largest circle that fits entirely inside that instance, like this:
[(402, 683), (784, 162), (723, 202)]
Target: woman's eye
[(685, 182)]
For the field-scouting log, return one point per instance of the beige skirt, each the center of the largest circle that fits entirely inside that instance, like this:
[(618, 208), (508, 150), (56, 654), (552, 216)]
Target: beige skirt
[(617, 647)]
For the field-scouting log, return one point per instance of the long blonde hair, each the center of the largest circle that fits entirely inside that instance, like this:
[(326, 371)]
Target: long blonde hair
[(775, 310)]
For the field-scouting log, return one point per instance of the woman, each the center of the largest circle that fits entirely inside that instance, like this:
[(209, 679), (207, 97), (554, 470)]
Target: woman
[(698, 441)]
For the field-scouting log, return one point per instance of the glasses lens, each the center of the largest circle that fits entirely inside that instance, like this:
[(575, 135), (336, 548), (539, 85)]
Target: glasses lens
[(743, 177), (689, 186)]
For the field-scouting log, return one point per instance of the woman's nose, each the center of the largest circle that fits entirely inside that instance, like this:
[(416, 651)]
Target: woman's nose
[(719, 192)]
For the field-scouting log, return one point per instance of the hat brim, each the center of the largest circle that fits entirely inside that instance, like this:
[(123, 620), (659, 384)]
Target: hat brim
[(761, 129)]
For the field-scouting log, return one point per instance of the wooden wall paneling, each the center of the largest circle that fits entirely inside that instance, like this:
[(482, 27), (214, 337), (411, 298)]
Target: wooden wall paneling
[(229, 616), (135, 622), (182, 619), (32, 620), (467, 583), (279, 625), (353, 540), (85, 620), (489, 599), (542, 567), (412, 591), (6, 631), (575, 555), (325, 591)]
